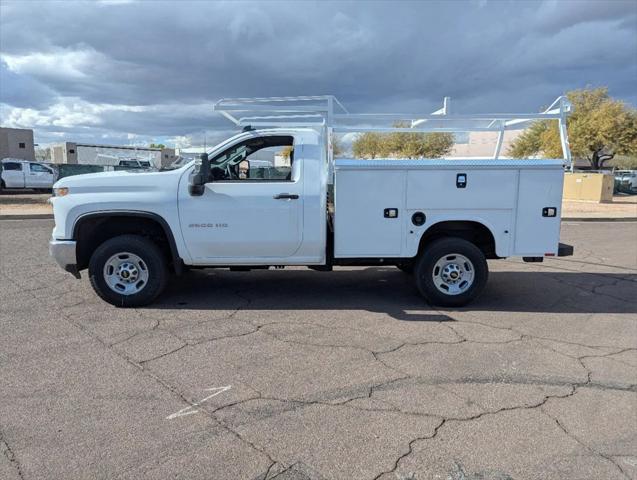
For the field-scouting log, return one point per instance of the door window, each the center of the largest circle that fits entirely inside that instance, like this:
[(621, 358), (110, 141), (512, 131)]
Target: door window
[(36, 167), (260, 159)]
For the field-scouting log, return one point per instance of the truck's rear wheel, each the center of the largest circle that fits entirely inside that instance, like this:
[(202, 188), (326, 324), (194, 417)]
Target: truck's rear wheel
[(451, 272), (128, 271)]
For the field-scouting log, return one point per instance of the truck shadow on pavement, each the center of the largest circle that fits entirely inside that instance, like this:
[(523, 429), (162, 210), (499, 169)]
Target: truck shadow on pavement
[(390, 291)]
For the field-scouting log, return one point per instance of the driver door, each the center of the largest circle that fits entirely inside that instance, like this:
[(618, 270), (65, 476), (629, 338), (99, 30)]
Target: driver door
[(251, 209), (39, 176)]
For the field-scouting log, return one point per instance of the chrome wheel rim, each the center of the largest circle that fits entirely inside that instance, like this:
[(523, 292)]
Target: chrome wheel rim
[(453, 274), (126, 273)]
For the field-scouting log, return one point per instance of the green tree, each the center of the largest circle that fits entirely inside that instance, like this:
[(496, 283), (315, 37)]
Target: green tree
[(43, 154), (157, 145), (403, 144), (286, 152), (418, 144), (438, 144), (337, 148), (599, 128), (370, 145)]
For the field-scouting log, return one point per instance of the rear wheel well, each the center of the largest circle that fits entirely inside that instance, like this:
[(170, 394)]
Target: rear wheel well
[(473, 232), (92, 231)]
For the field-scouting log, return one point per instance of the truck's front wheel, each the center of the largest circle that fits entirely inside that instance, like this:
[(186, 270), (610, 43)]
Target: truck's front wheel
[(128, 271), (451, 272)]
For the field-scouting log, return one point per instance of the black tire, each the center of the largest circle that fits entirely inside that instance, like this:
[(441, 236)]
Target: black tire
[(435, 251), (148, 251)]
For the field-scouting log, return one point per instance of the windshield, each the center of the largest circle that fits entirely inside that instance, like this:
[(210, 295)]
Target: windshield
[(186, 157)]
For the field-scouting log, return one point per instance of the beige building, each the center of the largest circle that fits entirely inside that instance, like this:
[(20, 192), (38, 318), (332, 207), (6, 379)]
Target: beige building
[(64, 153), (17, 143), (482, 144)]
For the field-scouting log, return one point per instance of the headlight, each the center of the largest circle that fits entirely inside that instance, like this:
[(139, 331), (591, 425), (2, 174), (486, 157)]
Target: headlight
[(60, 192)]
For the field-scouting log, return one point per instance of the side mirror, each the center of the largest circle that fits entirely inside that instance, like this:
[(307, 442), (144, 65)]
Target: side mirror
[(200, 176)]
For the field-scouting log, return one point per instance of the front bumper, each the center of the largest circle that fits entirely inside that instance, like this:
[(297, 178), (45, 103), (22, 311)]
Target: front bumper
[(63, 251)]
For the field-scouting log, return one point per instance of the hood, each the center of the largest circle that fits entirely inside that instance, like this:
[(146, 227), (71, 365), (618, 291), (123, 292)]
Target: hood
[(121, 180)]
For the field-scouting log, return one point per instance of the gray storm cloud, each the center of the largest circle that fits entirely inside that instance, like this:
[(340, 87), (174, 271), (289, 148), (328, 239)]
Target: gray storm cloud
[(116, 70)]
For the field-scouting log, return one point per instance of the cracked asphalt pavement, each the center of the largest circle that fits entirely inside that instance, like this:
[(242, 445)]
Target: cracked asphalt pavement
[(297, 374)]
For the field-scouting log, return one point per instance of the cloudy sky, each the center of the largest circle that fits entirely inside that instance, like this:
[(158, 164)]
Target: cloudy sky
[(132, 72)]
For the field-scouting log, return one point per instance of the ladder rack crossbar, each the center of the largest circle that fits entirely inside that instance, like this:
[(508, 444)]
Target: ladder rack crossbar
[(413, 129), (322, 103), (438, 117)]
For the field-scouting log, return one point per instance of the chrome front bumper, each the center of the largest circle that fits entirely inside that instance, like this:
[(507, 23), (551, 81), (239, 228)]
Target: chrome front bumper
[(63, 251)]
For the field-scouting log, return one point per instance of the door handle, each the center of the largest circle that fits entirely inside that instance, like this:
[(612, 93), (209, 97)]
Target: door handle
[(286, 196)]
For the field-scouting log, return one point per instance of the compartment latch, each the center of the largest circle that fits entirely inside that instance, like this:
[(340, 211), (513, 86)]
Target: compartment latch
[(461, 180), (549, 212), (390, 213)]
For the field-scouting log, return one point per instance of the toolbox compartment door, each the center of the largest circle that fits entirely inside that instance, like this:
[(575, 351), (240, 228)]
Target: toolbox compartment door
[(537, 231), (361, 227), (439, 190)]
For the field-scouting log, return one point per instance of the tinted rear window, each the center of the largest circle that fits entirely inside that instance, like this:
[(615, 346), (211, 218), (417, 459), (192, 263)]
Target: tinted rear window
[(11, 166)]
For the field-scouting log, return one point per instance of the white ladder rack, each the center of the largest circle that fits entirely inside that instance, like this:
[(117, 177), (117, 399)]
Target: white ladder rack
[(327, 112)]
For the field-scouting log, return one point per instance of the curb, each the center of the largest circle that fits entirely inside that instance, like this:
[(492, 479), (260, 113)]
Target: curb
[(32, 216), (43, 216), (600, 219)]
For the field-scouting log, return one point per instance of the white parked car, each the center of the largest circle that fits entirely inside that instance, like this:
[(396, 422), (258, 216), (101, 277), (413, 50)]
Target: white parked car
[(23, 174), (134, 164), (440, 219)]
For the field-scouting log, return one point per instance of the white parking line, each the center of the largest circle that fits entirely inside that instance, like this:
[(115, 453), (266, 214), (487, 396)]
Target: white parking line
[(190, 409)]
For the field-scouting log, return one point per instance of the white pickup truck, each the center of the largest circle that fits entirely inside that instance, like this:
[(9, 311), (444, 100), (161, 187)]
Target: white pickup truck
[(23, 174), (440, 219)]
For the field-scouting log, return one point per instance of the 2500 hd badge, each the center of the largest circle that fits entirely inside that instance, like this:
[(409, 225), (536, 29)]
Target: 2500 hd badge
[(208, 225)]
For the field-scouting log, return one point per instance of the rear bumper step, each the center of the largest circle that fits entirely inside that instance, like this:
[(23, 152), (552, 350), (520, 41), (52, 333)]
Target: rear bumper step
[(564, 250), (533, 259)]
